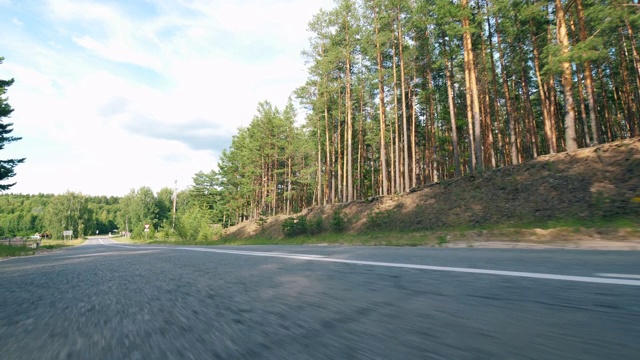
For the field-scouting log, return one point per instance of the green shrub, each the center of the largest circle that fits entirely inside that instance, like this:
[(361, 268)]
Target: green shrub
[(442, 239), (295, 226), (316, 226), (338, 221), (262, 219), (380, 220)]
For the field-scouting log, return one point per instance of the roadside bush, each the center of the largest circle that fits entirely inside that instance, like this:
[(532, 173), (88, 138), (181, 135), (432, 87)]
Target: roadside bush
[(380, 220), (316, 226), (338, 222), (295, 226)]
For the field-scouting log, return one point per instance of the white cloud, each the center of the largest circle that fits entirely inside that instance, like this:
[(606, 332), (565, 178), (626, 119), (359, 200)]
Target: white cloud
[(16, 21), (199, 70)]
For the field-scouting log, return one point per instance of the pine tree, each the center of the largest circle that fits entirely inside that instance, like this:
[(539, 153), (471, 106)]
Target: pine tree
[(6, 166)]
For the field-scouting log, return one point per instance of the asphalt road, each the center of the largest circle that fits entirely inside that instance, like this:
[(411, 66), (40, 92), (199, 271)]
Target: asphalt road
[(109, 301)]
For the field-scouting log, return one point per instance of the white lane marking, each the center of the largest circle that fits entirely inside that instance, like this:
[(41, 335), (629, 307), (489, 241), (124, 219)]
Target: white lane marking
[(111, 253), (587, 279), (627, 276), (240, 252), (256, 253), (137, 247), (101, 242)]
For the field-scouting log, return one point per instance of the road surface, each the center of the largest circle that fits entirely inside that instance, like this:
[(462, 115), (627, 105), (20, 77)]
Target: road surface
[(105, 300)]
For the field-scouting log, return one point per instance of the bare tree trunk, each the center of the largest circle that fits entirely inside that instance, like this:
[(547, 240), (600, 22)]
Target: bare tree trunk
[(349, 132), (567, 80), (358, 191), (328, 148), (413, 136), (475, 97), (513, 150), (381, 110), (494, 90), (588, 78), (486, 114), (319, 171), (339, 155), (405, 138), (636, 60), (328, 170), (275, 183), (532, 128), (430, 138), (607, 115), (544, 102), (583, 109), (452, 109), (289, 186), (395, 110), (472, 148), (627, 95)]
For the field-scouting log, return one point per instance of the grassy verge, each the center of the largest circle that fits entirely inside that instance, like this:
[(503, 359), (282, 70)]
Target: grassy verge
[(556, 231), (7, 251), (55, 244), (11, 251)]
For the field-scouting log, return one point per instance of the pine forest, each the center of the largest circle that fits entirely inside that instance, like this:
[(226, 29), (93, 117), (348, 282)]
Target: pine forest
[(399, 94)]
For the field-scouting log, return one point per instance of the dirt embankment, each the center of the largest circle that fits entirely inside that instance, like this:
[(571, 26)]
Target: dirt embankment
[(593, 184)]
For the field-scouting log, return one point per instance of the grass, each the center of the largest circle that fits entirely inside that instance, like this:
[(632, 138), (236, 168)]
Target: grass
[(435, 238), (379, 238), (54, 244), (11, 251)]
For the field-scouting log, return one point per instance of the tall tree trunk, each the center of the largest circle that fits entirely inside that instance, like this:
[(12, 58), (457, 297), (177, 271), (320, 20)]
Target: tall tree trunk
[(467, 93), (275, 183), (532, 128), (583, 109), (475, 97), (358, 191), (381, 108), (513, 150), (588, 78), (494, 90), (636, 61), (328, 170), (319, 171), (582, 105), (567, 80), (430, 138), (627, 96), (413, 135), (339, 144), (544, 102), (349, 130), (289, 185), (452, 108), (405, 138), (550, 89), (486, 114), (607, 116), (395, 110)]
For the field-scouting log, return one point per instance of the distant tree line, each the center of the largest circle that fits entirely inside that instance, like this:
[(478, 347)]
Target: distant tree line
[(26, 215)]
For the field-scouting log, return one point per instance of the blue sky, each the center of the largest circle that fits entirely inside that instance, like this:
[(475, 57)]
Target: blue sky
[(117, 94)]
